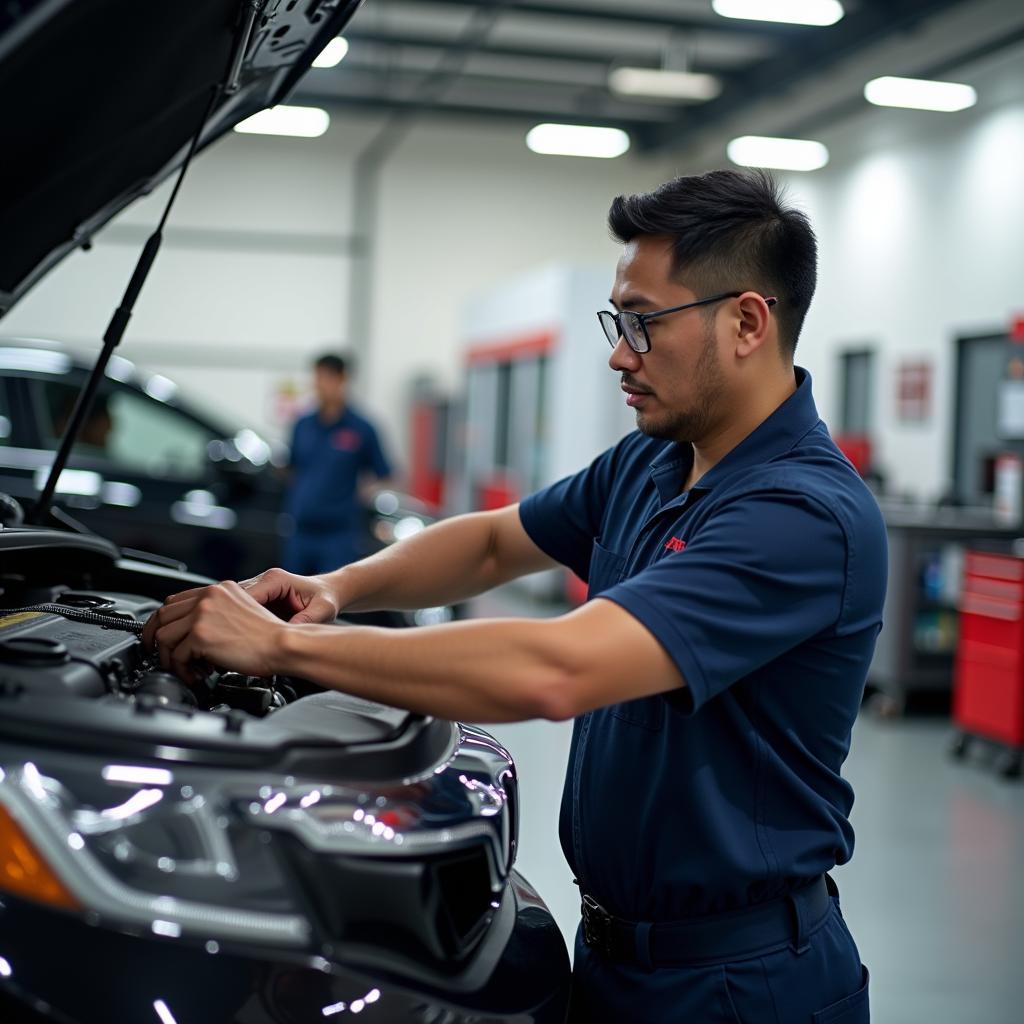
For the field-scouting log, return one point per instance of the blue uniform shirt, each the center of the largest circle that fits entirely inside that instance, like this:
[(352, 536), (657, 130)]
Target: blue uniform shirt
[(765, 585), (327, 460)]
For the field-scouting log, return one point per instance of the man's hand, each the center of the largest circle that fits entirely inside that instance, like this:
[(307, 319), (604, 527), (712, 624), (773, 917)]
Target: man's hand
[(220, 625), (294, 598)]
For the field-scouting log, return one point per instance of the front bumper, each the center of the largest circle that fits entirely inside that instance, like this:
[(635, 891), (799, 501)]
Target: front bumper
[(58, 968)]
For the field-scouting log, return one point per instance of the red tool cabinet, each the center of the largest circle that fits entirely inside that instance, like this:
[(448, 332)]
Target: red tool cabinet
[(988, 698)]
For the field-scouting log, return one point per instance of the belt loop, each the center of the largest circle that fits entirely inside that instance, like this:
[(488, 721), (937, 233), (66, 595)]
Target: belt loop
[(800, 944), (642, 943)]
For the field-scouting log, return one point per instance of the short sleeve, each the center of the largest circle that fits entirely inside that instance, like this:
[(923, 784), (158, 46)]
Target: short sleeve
[(564, 518), (374, 458), (762, 575)]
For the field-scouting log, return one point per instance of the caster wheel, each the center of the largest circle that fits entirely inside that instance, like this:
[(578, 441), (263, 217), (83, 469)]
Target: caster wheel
[(958, 748)]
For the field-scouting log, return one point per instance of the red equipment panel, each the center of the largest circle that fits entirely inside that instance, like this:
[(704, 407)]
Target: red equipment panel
[(988, 697)]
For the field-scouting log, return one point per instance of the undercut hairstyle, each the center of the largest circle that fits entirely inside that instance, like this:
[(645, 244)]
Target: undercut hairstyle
[(334, 363), (730, 230)]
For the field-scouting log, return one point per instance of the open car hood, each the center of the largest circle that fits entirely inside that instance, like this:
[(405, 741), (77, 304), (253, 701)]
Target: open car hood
[(104, 96)]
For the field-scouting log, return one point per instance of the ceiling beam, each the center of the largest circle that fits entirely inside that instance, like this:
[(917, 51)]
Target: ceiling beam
[(339, 101), (563, 91), (540, 52), (623, 16)]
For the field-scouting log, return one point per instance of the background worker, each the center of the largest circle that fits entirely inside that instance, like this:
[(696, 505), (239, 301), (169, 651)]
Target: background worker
[(736, 564), (334, 450)]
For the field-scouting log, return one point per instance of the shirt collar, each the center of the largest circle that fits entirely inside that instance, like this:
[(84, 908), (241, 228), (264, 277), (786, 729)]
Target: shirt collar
[(334, 424), (774, 436)]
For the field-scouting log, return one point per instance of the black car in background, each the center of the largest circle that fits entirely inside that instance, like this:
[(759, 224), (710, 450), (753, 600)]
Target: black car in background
[(253, 850), (161, 478), (149, 471)]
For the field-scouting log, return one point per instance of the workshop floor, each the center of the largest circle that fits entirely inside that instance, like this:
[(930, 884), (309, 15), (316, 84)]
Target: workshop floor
[(934, 894)]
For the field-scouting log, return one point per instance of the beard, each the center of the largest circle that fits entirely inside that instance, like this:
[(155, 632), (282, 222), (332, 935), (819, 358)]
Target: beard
[(690, 425)]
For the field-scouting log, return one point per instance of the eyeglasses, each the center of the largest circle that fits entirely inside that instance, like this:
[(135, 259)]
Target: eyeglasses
[(632, 327)]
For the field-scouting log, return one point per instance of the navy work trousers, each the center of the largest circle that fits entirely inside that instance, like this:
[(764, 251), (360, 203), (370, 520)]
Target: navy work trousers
[(825, 983)]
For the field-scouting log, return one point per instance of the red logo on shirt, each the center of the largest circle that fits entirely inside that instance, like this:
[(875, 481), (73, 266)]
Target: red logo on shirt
[(675, 544), (347, 440)]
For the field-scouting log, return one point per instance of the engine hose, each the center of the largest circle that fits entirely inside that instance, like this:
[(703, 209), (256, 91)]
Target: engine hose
[(129, 625)]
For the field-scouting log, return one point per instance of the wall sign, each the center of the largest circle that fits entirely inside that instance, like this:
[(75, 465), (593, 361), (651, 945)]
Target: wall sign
[(914, 392)]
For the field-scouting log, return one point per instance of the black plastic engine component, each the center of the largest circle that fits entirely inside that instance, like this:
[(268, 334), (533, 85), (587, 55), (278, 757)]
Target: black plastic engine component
[(167, 688)]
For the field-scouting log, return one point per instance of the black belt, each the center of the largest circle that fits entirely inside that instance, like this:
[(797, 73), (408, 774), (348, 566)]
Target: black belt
[(720, 938)]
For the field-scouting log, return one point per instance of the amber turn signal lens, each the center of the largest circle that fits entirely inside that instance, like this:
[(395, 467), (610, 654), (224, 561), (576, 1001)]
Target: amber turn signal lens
[(23, 872)]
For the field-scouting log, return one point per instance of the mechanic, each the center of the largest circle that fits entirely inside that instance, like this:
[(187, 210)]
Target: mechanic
[(736, 567), (333, 451)]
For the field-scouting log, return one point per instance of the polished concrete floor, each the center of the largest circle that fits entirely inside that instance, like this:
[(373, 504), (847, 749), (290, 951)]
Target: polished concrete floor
[(934, 894)]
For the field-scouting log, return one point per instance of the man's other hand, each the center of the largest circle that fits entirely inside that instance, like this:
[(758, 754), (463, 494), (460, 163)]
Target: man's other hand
[(294, 598)]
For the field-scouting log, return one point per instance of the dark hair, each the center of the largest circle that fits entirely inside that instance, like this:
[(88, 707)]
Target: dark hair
[(729, 230), (333, 362)]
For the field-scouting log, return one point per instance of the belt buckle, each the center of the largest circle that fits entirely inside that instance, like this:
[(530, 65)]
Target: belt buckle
[(596, 925)]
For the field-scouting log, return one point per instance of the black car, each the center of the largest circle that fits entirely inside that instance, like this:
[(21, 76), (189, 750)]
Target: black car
[(252, 850), (148, 471), (241, 852)]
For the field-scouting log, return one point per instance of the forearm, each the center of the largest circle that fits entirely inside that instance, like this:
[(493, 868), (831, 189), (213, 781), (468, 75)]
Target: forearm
[(503, 670), (448, 562)]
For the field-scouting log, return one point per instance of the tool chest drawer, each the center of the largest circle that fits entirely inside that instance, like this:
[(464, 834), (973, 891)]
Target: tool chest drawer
[(988, 697), (989, 673)]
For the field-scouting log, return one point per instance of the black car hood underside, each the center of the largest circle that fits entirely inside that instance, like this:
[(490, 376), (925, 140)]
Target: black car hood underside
[(102, 97)]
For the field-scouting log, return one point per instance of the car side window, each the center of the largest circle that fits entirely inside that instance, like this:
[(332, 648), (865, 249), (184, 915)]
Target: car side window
[(5, 417), (154, 438), (129, 429)]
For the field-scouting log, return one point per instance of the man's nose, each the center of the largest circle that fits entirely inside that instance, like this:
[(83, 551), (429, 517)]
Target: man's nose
[(623, 357)]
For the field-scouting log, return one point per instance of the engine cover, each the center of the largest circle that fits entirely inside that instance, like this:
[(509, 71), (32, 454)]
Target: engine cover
[(44, 653)]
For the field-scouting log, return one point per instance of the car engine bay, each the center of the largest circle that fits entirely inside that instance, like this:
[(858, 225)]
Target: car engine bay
[(86, 644), (415, 819)]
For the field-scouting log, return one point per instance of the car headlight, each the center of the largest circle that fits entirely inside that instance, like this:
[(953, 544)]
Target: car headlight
[(184, 850), (142, 846)]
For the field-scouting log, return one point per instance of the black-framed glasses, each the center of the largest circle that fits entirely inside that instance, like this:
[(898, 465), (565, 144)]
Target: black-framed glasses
[(632, 327)]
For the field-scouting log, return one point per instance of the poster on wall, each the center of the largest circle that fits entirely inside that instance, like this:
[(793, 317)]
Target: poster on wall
[(914, 391)]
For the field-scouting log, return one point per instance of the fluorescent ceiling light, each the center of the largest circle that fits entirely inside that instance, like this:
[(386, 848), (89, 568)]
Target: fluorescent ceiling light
[(332, 54), (919, 94), (791, 12), (782, 154), (295, 122), (577, 140), (658, 83)]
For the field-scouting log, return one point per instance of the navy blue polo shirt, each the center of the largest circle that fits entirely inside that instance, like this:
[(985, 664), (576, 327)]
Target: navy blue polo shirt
[(327, 460), (764, 584)]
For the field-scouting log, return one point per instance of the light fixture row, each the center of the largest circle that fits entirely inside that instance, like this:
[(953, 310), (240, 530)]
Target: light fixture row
[(607, 143), (759, 150)]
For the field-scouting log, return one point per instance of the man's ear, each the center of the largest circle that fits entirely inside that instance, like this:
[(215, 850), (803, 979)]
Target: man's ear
[(752, 325)]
